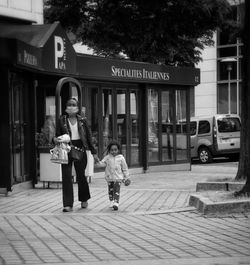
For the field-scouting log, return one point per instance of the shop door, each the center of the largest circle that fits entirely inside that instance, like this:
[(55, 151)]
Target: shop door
[(19, 134), (115, 115), (127, 124)]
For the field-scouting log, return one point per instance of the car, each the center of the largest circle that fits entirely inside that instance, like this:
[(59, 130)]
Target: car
[(214, 136)]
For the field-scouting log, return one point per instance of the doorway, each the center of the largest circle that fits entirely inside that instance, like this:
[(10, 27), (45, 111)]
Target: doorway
[(20, 129), (114, 114)]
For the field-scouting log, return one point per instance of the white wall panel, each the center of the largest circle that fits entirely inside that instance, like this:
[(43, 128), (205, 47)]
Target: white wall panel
[(37, 6), (206, 89), (23, 5), (208, 77), (208, 65), (29, 10), (3, 2)]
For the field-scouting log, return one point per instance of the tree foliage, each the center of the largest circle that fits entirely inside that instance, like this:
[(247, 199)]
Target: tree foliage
[(156, 31)]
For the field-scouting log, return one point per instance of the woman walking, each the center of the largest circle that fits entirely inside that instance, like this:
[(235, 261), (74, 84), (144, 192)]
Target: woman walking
[(81, 140)]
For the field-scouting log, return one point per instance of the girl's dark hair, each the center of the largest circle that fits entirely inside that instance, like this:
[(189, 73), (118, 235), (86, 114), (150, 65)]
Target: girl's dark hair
[(114, 142)]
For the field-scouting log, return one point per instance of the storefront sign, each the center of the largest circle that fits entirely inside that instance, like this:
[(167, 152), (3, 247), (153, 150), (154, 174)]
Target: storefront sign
[(51, 51), (60, 53), (28, 55), (97, 68), (139, 73), (29, 58)]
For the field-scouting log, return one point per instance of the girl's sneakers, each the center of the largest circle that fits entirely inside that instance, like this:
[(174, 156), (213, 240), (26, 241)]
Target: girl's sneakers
[(111, 204), (84, 204), (115, 206)]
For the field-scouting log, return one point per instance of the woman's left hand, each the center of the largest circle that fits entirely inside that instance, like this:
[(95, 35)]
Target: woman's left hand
[(96, 158)]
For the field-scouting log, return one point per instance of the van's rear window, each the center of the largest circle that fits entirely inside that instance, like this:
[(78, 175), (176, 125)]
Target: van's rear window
[(228, 125)]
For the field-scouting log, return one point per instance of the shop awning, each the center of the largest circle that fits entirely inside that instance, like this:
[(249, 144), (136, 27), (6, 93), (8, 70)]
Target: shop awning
[(34, 35), (45, 47)]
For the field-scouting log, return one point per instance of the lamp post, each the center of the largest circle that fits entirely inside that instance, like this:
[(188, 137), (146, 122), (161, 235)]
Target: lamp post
[(229, 62)]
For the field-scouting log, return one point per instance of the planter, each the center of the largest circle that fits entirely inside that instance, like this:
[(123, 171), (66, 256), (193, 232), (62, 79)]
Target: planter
[(51, 172)]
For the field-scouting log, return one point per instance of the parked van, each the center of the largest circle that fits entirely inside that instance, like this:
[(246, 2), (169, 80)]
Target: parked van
[(217, 135)]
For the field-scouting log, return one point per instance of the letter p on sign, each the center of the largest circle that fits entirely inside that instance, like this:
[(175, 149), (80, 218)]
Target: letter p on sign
[(59, 49)]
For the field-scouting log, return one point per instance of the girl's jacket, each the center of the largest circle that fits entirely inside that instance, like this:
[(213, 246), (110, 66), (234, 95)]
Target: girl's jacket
[(116, 168)]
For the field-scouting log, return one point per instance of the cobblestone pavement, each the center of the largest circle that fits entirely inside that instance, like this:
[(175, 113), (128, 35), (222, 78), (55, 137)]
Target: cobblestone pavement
[(154, 226)]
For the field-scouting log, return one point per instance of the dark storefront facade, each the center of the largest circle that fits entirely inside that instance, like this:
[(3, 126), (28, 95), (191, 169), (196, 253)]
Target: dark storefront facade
[(144, 106)]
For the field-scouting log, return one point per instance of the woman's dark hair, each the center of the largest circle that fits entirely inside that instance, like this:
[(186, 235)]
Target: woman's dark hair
[(74, 99), (114, 142)]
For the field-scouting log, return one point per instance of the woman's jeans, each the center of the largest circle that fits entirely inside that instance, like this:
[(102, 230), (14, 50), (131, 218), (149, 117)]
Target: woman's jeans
[(67, 179)]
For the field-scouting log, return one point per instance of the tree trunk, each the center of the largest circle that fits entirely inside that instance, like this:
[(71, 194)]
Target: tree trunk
[(244, 161)]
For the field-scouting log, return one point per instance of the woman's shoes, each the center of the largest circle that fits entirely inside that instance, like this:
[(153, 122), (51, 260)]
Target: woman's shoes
[(70, 209), (111, 204), (84, 204), (67, 209)]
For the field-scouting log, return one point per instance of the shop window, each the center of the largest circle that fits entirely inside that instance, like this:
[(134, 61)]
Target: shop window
[(240, 68), (167, 124), (93, 116), (223, 98), (153, 140), (226, 51), (233, 90), (225, 35), (227, 71), (107, 117), (134, 121), (181, 133), (121, 120)]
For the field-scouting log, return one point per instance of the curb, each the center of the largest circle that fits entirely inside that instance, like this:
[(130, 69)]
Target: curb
[(208, 207), (226, 186)]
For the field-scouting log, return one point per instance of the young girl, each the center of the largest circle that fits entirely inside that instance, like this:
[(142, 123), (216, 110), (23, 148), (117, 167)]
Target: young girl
[(116, 172)]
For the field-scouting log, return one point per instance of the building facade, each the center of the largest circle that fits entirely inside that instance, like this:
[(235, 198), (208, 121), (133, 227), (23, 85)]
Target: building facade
[(220, 89), (25, 12), (144, 106)]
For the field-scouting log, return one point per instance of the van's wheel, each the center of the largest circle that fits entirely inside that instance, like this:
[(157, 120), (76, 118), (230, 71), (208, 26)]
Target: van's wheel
[(205, 155)]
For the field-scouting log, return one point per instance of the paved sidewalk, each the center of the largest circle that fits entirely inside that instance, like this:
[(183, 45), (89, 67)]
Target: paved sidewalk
[(153, 226)]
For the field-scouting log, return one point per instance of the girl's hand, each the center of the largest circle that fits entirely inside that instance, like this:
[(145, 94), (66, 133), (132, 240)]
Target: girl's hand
[(126, 181)]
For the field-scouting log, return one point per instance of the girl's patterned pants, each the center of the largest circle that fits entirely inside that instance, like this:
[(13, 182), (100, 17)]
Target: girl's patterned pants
[(114, 191)]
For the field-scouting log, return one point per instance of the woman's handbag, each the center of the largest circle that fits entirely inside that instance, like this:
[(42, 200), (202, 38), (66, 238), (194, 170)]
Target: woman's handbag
[(76, 153), (59, 154)]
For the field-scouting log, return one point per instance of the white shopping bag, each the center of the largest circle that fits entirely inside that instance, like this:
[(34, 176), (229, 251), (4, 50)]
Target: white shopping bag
[(89, 171)]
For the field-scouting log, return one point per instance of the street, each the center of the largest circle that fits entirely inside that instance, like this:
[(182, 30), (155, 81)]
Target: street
[(154, 225)]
